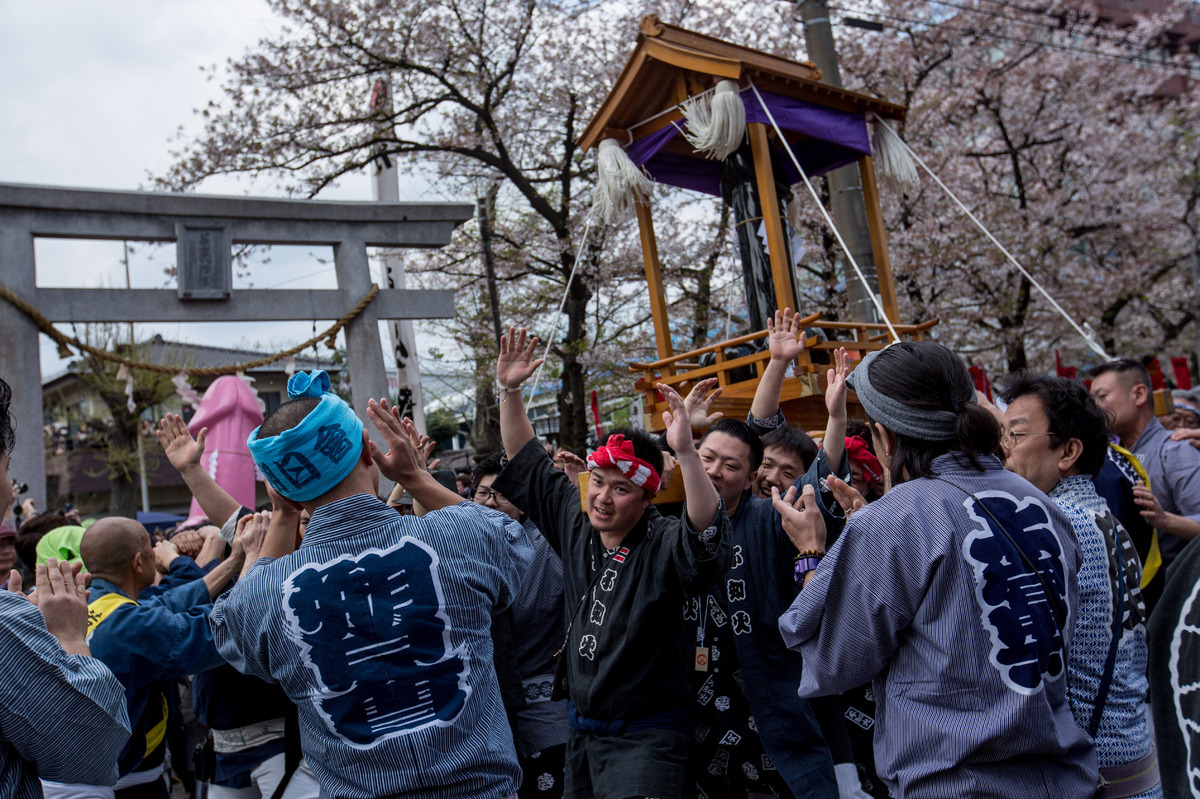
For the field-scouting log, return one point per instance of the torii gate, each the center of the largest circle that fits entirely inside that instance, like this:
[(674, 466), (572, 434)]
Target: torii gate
[(205, 229)]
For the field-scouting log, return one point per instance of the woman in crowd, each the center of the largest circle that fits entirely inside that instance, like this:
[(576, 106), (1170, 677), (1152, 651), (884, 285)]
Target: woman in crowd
[(954, 592)]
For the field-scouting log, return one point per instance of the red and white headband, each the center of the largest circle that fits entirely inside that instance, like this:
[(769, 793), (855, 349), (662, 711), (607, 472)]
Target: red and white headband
[(618, 454)]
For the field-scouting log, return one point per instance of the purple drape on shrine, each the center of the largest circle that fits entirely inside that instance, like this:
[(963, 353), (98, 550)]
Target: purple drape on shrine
[(835, 138)]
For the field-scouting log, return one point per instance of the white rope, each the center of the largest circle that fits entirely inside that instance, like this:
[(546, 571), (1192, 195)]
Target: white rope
[(663, 113), (829, 220), (1087, 334), (537, 376)]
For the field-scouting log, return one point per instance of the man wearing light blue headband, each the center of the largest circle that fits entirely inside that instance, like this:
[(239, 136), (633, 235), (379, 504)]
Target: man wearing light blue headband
[(377, 626)]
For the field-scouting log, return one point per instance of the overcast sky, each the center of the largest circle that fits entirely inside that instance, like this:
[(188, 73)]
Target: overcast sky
[(93, 94)]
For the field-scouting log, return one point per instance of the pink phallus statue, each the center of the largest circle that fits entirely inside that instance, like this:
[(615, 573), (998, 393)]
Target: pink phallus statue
[(230, 411)]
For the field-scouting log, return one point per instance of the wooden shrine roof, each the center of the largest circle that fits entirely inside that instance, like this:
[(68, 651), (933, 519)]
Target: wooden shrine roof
[(670, 64)]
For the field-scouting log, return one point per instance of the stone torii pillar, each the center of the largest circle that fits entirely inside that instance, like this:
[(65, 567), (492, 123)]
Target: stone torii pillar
[(205, 229)]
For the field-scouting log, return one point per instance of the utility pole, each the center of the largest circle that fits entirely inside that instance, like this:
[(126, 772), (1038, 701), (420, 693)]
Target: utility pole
[(486, 429), (848, 209), (386, 188), (141, 450), (487, 209)]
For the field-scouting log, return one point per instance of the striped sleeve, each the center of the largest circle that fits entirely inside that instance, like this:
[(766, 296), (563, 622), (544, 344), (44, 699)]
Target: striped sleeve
[(64, 713)]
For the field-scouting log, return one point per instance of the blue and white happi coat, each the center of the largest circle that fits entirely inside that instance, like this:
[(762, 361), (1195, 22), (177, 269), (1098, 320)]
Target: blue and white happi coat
[(1110, 563), (926, 597), (377, 627)]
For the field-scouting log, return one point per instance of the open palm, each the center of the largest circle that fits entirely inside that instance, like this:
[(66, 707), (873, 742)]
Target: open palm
[(784, 337), (516, 363)]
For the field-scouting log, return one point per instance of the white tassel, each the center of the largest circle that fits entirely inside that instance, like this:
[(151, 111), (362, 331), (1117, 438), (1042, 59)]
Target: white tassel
[(893, 159), (185, 390), (125, 374), (619, 183), (716, 124)]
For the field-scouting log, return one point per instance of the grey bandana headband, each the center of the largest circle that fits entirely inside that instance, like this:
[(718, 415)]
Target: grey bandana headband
[(895, 415)]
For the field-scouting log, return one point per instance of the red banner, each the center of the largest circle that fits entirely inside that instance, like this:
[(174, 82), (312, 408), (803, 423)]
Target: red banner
[(1183, 375)]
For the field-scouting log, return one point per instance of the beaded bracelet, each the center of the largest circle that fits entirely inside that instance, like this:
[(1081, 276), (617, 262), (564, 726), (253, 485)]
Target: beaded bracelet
[(811, 553)]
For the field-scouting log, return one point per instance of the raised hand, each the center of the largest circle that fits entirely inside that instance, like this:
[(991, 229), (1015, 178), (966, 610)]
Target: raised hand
[(697, 404), (677, 420), (62, 598), (785, 338), (835, 392), (570, 464), (801, 518), (402, 461), (516, 363), (182, 450)]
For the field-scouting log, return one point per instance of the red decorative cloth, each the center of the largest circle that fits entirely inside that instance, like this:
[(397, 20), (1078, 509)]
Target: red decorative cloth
[(618, 454), (857, 451)]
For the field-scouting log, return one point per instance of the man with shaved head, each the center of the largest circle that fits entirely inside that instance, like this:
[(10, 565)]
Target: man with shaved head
[(146, 641)]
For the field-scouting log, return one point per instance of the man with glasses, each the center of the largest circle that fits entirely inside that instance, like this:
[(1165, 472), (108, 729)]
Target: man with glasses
[(525, 638), (1055, 436)]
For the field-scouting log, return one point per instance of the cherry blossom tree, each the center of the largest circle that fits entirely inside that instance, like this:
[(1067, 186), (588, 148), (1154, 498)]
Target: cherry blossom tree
[(484, 91), (1051, 126)]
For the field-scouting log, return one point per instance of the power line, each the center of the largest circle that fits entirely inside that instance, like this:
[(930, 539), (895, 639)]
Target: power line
[(1066, 48)]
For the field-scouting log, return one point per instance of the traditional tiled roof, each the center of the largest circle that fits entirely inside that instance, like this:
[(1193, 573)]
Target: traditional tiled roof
[(199, 356)]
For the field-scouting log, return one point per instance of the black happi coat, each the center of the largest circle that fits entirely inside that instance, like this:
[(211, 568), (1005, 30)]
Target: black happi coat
[(626, 657), (757, 589)]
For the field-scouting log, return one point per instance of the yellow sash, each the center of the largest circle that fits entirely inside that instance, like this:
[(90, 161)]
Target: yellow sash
[(1154, 556), (100, 610), (155, 735)]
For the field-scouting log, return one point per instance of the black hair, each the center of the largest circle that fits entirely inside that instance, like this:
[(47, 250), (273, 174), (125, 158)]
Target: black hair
[(797, 442), (287, 416), (489, 465), (1125, 369), (8, 435), (860, 429), (742, 432), (927, 376), (1071, 413)]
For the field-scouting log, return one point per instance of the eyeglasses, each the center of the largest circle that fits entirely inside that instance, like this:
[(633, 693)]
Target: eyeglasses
[(483, 494), (1010, 438)]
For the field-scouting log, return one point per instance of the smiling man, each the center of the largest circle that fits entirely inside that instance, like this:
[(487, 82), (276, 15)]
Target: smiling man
[(626, 571), (1055, 436)]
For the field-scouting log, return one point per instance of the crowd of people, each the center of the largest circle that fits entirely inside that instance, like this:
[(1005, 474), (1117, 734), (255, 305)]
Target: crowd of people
[(949, 598)]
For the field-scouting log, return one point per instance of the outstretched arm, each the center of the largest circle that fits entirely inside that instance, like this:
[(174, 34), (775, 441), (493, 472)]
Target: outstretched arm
[(835, 404), (401, 462), (184, 453), (786, 341), (702, 498), (515, 365)]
